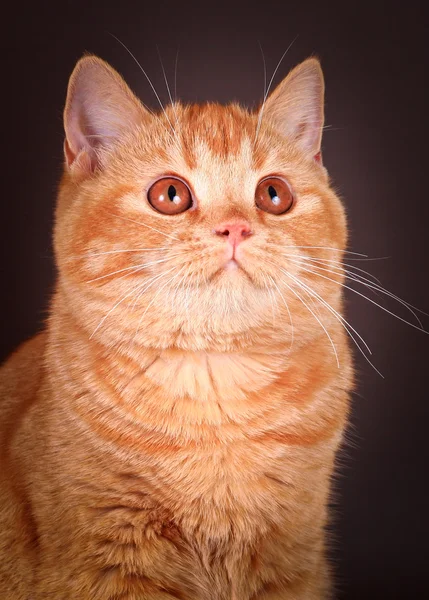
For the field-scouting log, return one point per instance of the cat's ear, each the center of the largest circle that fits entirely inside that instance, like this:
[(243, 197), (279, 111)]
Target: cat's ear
[(296, 107), (100, 109)]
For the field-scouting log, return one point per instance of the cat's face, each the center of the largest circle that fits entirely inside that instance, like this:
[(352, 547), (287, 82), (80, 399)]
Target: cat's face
[(195, 225)]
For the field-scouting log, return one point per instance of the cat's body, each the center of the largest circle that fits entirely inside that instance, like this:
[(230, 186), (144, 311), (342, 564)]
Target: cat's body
[(185, 449)]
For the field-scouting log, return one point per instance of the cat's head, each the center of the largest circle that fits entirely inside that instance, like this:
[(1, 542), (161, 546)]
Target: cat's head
[(196, 226)]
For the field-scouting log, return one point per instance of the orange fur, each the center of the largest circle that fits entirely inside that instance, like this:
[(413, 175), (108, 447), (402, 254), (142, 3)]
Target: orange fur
[(178, 440)]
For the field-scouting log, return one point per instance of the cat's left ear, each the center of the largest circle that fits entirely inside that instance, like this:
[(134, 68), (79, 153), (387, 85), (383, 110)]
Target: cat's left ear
[(295, 108)]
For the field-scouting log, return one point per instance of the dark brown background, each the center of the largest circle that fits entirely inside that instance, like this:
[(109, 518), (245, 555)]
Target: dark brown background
[(375, 63)]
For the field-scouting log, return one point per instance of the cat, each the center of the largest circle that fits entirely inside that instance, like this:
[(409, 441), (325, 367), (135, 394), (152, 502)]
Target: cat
[(172, 432)]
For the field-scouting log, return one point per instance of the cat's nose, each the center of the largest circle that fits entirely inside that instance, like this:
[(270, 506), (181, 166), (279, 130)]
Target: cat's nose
[(235, 231)]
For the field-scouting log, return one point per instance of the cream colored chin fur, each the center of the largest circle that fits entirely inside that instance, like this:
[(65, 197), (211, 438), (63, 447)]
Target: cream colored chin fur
[(172, 433)]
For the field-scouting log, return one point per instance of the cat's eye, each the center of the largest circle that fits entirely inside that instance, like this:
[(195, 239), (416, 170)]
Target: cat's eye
[(170, 196), (273, 195)]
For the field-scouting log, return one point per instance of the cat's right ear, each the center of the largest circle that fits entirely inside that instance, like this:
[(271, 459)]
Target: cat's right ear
[(100, 109)]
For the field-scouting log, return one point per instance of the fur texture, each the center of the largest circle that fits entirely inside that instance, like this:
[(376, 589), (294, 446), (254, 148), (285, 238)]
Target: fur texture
[(172, 433)]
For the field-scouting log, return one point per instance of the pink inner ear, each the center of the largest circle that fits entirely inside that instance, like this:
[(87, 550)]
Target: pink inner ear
[(81, 160), (69, 154), (318, 157)]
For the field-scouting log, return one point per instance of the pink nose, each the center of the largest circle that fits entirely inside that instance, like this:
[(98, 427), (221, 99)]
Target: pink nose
[(235, 231)]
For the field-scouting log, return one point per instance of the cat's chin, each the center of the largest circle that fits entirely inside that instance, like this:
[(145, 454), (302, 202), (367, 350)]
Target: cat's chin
[(232, 271), (232, 265)]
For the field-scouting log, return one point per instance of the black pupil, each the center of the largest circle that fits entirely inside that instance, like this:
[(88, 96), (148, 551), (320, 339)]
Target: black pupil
[(272, 192), (171, 192)]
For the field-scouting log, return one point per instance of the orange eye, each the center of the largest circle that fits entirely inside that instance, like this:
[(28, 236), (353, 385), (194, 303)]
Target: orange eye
[(273, 195), (170, 196)]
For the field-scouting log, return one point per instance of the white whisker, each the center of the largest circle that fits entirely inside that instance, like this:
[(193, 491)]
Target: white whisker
[(334, 249), (317, 319), (336, 314), (145, 225), (175, 74), (347, 330), (127, 295), (261, 111), (154, 298), (366, 298), (288, 311), (167, 86), (133, 268), (332, 262), (272, 299), (373, 286), (91, 254), (148, 79)]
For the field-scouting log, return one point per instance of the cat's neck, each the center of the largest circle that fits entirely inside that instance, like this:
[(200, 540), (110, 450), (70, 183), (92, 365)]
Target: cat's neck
[(174, 391)]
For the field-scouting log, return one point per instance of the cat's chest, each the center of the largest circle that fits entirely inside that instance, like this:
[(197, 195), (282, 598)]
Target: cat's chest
[(217, 491), (207, 515)]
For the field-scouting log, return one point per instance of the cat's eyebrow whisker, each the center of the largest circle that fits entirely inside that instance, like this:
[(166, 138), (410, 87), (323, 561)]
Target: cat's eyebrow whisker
[(261, 110), (373, 286), (366, 298), (147, 77), (172, 134), (167, 86), (265, 68), (124, 297), (175, 74), (145, 225), (317, 319)]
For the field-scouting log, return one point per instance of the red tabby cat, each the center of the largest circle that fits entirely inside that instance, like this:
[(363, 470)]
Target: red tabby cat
[(172, 433)]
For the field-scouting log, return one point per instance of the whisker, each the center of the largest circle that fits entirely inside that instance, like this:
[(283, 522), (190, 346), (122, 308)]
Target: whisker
[(337, 315), (145, 225), (147, 77), (261, 111), (90, 254), (288, 311), (151, 282), (175, 74), (332, 262), (265, 68), (375, 287), (154, 298), (133, 268), (343, 322), (272, 299), (187, 289), (127, 295), (366, 298), (317, 319), (334, 249), (167, 86)]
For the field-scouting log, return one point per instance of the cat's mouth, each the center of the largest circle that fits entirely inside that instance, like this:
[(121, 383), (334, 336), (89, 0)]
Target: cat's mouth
[(230, 269), (232, 265)]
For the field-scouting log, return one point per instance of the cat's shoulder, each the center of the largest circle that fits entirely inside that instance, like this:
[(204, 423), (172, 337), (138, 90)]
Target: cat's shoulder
[(21, 373)]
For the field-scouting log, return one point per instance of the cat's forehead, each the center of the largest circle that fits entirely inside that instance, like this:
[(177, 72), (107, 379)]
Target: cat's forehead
[(219, 136)]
